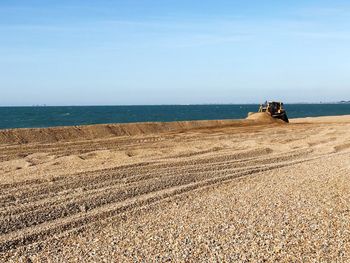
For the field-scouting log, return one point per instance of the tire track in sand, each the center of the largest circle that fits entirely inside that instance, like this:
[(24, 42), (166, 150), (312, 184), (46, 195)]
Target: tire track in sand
[(39, 224)]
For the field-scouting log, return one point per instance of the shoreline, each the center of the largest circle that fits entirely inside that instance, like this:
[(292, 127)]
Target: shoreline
[(103, 131), (17, 118)]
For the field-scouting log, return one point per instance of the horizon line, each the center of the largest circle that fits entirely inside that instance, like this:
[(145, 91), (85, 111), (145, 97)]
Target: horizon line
[(170, 104)]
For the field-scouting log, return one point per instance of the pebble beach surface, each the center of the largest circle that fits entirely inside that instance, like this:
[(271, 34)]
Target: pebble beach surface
[(263, 192)]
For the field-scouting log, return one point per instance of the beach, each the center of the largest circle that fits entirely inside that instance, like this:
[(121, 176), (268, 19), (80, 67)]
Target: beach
[(231, 190)]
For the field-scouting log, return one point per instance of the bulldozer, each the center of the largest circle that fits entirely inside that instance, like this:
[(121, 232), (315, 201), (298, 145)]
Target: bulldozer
[(276, 109)]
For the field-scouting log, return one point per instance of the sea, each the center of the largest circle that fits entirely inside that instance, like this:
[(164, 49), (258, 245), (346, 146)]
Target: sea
[(36, 117)]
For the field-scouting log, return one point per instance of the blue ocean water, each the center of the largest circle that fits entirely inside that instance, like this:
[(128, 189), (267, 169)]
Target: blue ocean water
[(30, 117)]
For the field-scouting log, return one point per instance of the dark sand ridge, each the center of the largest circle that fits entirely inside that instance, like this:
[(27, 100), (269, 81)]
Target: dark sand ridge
[(102, 131)]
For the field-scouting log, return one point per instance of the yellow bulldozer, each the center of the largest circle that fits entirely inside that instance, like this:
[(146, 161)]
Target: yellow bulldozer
[(276, 109)]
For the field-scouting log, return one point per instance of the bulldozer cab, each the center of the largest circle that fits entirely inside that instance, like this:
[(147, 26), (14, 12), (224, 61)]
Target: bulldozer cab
[(276, 109), (272, 107)]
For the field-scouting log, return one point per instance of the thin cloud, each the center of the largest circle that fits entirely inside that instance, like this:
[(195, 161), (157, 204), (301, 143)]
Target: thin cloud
[(204, 40), (324, 11), (324, 35)]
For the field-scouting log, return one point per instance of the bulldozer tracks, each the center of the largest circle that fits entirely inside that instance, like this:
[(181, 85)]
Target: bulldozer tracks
[(34, 210)]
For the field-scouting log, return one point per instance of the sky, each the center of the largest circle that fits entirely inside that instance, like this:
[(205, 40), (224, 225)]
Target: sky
[(140, 52)]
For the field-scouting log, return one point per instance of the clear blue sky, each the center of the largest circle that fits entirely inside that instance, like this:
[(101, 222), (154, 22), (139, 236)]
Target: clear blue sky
[(72, 52)]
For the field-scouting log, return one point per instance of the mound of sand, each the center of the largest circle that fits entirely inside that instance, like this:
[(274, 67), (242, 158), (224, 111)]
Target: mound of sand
[(90, 132), (263, 117)]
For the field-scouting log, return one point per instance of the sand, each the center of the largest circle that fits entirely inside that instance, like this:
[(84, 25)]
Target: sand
[(213, 191)]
